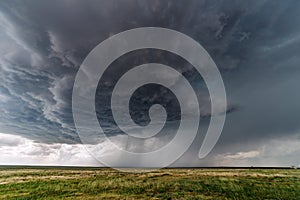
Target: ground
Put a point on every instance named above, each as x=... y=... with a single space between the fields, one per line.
x=95 y=183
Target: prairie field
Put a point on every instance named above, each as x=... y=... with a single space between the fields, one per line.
x=102 y=183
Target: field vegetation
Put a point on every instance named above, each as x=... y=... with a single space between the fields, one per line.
x=102 y=183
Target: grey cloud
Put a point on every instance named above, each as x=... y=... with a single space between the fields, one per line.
x=254 y=43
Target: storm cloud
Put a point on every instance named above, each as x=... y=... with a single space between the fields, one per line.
x=255 y=45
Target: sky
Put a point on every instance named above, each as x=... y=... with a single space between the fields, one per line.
x=255 y=45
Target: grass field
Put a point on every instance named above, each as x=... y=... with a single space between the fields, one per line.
x=93 y=183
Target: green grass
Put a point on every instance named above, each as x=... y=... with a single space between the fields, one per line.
x=92 y=183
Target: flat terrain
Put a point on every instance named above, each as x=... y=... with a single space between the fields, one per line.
x=93 y=183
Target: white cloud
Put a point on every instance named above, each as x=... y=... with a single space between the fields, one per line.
x=17 y=150
x=275 y=152
x=242 y=155
x=22 y=151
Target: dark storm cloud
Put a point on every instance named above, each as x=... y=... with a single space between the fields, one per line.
x=255 y=44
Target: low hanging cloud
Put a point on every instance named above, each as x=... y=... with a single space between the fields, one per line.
x=268 y=153
x=19 y=150
x=242 y=155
